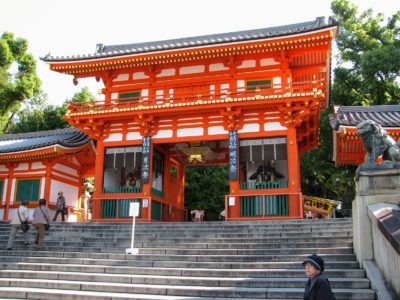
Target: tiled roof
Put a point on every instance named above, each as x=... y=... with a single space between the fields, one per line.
x=68 y=137
x=198 y=41
x=385 y=115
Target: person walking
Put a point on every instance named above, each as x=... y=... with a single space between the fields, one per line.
x=317 y=286
x=20 y=215
x=41 y=217
x=60 y=207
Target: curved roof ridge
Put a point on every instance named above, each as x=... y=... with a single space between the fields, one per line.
x=27 y=135
x=68 y=137
x=384 y=115
x=103 y=51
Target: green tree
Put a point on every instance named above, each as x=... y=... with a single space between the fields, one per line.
x=368 y=71
x=205 y=188
x=18 y=78
x=39 y=115
x=84 y=95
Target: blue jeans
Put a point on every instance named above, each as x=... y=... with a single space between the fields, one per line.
x=13 y=233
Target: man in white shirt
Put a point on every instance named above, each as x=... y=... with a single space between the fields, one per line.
x=16 y=224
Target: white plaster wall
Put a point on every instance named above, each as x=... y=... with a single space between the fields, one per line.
x=70 y=192
x=3 y=198
x=42 y=184
x=192 y=69
x=3 y=168
x=240 y=84
x=133 y=136
x=139 y=75
x=114 y=96
x=268 y=62
x=21 y=167
x=122 y=77
x=163 y=134
x=190 y=132
x=166 y=72
x=37 y=165
x=12 y=190
x=217 y=67
x=247 y=64
x=272 y=126
x=216 y=130
x=114 y=137
x=277 y=80
x=250 y=128
x=66 y=169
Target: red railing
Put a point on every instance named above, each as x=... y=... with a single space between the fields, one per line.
x=193 y=93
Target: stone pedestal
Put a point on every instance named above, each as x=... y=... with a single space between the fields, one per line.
x=372 y=187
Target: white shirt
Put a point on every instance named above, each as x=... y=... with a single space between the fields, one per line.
x=23 y=213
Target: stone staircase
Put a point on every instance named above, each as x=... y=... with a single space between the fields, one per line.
x=212 y=260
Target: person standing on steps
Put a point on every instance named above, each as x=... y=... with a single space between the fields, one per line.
x=20 y=215
x=41 y=217
x=60 y=207
x=317 y=286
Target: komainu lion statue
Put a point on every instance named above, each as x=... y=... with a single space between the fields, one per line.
x=377 y=142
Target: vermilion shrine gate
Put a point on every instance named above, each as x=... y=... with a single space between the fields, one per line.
x=249 y=99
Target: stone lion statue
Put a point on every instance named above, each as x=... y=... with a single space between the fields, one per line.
x=377 y=142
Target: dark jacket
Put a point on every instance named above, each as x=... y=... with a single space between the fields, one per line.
x=60 y=205
x=318 y=288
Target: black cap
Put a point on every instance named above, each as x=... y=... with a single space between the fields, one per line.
x=316 y=261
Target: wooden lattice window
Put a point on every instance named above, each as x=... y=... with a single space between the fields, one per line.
x=253 y=85
x=129 y=96
x=27 y=190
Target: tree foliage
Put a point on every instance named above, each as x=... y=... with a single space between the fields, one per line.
x=205 y=188
x=39 y=115
x=18 y=79
x=368 y=71
x=367 y=74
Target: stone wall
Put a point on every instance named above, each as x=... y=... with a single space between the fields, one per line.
x=376 y=190
x=386 y=248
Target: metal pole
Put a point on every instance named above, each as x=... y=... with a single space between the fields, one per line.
x=133 y=232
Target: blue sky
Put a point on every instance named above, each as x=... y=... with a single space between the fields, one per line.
x=67 y=27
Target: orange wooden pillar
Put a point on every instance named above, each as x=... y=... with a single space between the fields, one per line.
x=10 y=178
x=295 y=207
x=98 y=181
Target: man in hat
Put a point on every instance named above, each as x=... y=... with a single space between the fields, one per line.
x=317 y=286
x=60 y=207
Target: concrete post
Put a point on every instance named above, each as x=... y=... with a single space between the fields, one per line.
x=372 y=187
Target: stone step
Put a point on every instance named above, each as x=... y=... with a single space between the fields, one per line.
x=48 y=294
x=193 y=291
x=213 y=224
x=211 y=260
x=264 y=234
x=110 y=247
x=231 y=273
x=256 y=239
x=191 y=258
x=19 y=247
x=355 y=283
x=137 y=262
x=4 y=255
